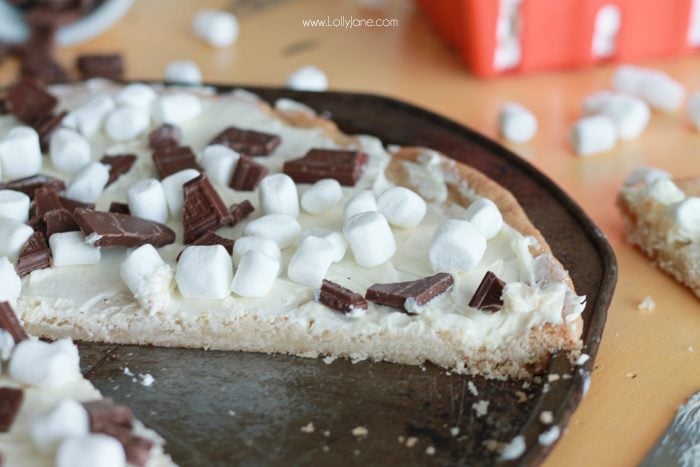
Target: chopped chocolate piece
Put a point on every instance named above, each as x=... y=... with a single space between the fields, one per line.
x=121 y=208
x=136 y=448
x=36 y=254
x=104 y=66
x=164 y=136
x=29 y=102
x=119 y=164
x=170 y=160
x=203 y=209
x=10 y=323
x=238 y=212
x=47 y=127
x=248 y=142
x=419 y=292
x=114 y=229
x=10 y=403
x=317 y=164
x=72 y=204
x=488 y=295
x=29 y=185
x=45 y=200
x=39 y=65
x=212 y=238
x=247 y=174
x=104 y=413
x=339 y=298
x=59 y=221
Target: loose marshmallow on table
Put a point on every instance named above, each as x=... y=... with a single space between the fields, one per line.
x=255 y=275
x=646 y=175
x=686 y=214
x=219 y=162
x=311 y=261
x=654 y=87
x=136 y=95
x=174 y=194
x=370 y=238
x=183 y=72
x=321 y=196
x=15 y=205
x=177 y=109
x=280 y=228
x=517 y=124
x=629 y=114
x=456 y=246
x=91 y=450
x=148 y=277
x=89 y=117
x=20 y=153
x=43 y=364
x=146 y=199
x=69 y=150
x=260 y=244
x=204 y=272
x=362 y=201
x=127 y=122
x=592 y=135
x=71 y=249
x=219 y=28
x=336 y=239
x=485 y=216
x=308 y=78
x=664 y=191
x=402 y=207
x=67 y=418
x=278 y=195
x=89 y=184
x=694 y=109
x=10 y=283
x=14 y=235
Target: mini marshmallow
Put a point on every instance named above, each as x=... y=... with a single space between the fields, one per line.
x=278 y=195
x=485 y=216
x=321 y=196
x=7 y=345
x=311 y=261
x=136 y=95
x=89 y=184
x=10 y=283
x=629 y=114
x=517 y=124
x=308 y=78
x=607 y=26
x=370 y=238
x=183 y=72
x=686 y=215
x=146 y=199
x=363 y=201
x=67 y=418
x=47 y=365
x=456 y=246
x=654 y=87
x=127 y=122
x=507 y=54
x=280 y=228
x=219 y=162
x=592 y=135
x=177 y=109
x=219 y=28
x=71 y=249
x=336 y=239
x=645 y=174
x=90 y=116
x=15 y=205
x=91 y=450
x=69 y=150
x=255 y=275
x=148 y=277
x=402 y=207
x=20 y=153
x=173 y=189
x=694 y=108
x=14 y=235
x=204 y=272
x=260 y=244
x=664 y=191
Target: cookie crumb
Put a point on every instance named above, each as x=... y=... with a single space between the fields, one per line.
x=360 y=431
x=412 y=441
x=553 y=377
x=691 y=349
x=522 y=397
x=546 y=417
x=472 y=388
x=309 y=428
x=647 y=304
x=454 y=431
x=631 y=375
x=430 y=450
x=481 y=408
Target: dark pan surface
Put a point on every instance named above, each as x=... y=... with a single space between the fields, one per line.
x=232 y=408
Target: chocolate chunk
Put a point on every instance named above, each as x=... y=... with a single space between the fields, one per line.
x=114 y=229
x=59 y=221
x=39 y=65
x=36 y=254
x=419 y=292
x=10 y=403
x=170 y=160
x=121 y=208
x=46 y=200
x=10 y=323
x=119 y=164
x=488 y=295
x=104 y=66
x=165 y=136
x=29 y=102
x=72 y=204
x=248 y=142
x=203 y=209
x=247 y=174
x=29 y=185
x=238 y=212
x=104 y=413
x=47 y=127
x=136 y=448
x=211 y=238
x=339 y=298
x=344 y=166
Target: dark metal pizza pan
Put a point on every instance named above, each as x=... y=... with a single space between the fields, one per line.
x=233 y=408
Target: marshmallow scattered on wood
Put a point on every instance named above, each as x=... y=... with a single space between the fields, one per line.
x=89 y=117
x=183 y=72
x=694 y=110
x=67 y=418
x=278 y=195
x=43 y=364
x=362 y=201
x=177 y=109
x=172 y=187
x=645 y=174
x=402 y=207
x=654 y=87
x=15 y=205
x=71 y=249
x=127 y=122
x=219 y=162
x=259 y=244
x=370 y=238
x=69 y=150
x=137 y=95
x=282 y=229
x=336 y=239
x=517 y=124
x=20 y=153
x=255 y=275
x=592 y=135
x=91 y=450
x=148 y=277
x=664 y=191
x=146 y=199
x=204 y=272
x=308 y=78
x=485 y=216
x=311 y=261
x=218 y=28
x=89 y=184
x=14 y=235
x=321 y=196
x=629 y=114
x=686 y=214
x=10 y=283
x=456 y=246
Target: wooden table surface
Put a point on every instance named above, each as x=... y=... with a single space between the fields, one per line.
x=621 y=417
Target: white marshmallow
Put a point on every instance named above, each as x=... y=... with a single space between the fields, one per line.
x=219 y=162
x=485 y=216
x=278 y=195
x=183 y=72
x=146 y=199
x=311 y=261
x=148 y=277
x=255 y=275
x=91 y=450
x=308 y=78
x=137 y=95
x=219 y=28
x=204 y=272
x=336 y=239
x=69 y=150
x=629 y=114
x=289 y=105
x=20 y=153
x=517 y=124
x=402 y=207
x=14 y=235
x=592 y=135
x=645 y=174
x=177 y=109
x=362 y=201
x=686 y=215
x=67 y=418
x=89 y=184
x=43 y=364
x=90 y=116
x=10 y=283
x=259 y=244
x=15 y=205
x=321 y=196
x=71 y=249
x=282 y=229
x=370 y=238
x=456 y=246
x=127 y=122
x=664 y=191
x=7 y=345
x=654 y=87
x=607 y=26
x=507 y=54
x=694 y=107
x=173 y=189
